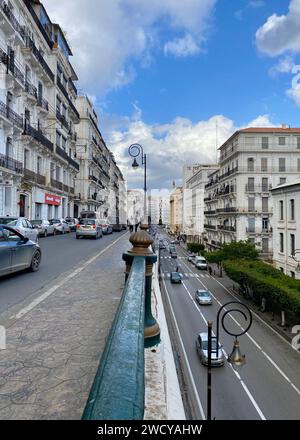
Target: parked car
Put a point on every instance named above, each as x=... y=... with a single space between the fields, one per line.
x=203 y=297
x=22 y=225
x=43 y=227
x=106 y=226
x=201 y=263
x=17 y=252
x=191 y=257
x=173 y=255
x=60 y=225
x=72 y=222
x=172 y=249
x=217 y=356
x=175 y=277
x=89 y=227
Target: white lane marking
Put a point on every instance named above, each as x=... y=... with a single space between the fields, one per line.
x=202 y=275
x=46 y=294
x=253 y=340
x=185 y=355
x=253 y=401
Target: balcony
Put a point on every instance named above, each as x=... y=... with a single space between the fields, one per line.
x=10 y=23
x=38 y=23
x=66 y=95
x=43 y=104
x=73 y=163
x=37 y=135
x=56 y=184
x=93 y=178
x=230 y=209
x=213 y=227
x=62 y=119
x=31 y=47
x=31 y=91
x=74 y=110
x=11 y=164
x=11 y=116
x=259 y=231
x=62 y=87
x=73 y=87
x=34 y=177
x=62 y=153
x=258 y=188
x=227 y=228
x=209 y=212
x=221 y=177
x=73 y=136
x=13 y=69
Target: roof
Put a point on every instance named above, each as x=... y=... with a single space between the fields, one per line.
x=286 y=185
x=281 y=130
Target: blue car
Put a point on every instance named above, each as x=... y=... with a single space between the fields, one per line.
x=17 y=252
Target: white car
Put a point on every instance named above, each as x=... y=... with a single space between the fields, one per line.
x=201 y=263
x=60 y=225
x=21 y=225
x=106 y=226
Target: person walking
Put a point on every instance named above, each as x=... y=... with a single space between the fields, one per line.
x=209 y=270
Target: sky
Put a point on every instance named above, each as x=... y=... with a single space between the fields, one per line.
x=179 y=77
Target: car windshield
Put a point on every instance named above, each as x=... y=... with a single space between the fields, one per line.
x=201 y=260
x=54 y=220
x=8 y=221
x=213 y=344
x=204 y=294
x=87 y=221
x=36 y=222
x=175 y=275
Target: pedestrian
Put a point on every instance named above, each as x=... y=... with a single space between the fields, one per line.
x=209 y=270
x=136 y=227
x=131 y=228
x=177 y=269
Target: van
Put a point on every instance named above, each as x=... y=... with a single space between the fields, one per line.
x=200 y=263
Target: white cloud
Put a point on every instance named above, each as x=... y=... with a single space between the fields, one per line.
x=284 y=65
x=170 y=146
x=256 y=3
x=280 y=34
x=294 y=91
x=182 y=47
x=107 y=37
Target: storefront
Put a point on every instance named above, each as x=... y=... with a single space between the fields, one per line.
x=45 y=205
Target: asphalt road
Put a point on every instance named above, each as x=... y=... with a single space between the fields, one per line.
x=267 y=386
x=60 y=254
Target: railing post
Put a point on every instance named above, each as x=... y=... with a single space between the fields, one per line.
x=141 y=241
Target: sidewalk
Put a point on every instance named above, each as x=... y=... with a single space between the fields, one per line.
x=53 y=350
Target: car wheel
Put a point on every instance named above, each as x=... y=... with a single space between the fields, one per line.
x=35 y=261
x=77 y=236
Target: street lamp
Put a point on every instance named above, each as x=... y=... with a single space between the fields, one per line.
x=134 y=151
x=236 y=359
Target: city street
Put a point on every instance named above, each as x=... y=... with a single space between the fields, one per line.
x=60 y=254
x=267 y=386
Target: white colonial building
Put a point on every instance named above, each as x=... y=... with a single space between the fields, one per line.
x=195 y=177
x=286 y=228
x=176 y=200
x=238 y=200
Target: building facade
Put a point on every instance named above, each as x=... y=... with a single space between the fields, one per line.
x=37 y=114
x=159 y=207
x=238 y=201
x=176 y=197
x=195 y=178
x=286 y=228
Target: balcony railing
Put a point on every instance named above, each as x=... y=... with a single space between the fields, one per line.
x=43 y=103
x=11 y=164
x=9 y=114
x=62 y=153
x=221 y=177
x=73 y=87
x=259 y=230
x=228 y=209
x=227 y=228
x=30 y=45
x=73 y=108
x=93 y=178
x=258 y=188
x=73 y=163
x=209 y=212
x=62 y=119
x=15 y=70
x=12 y=19
x=37 y=135
x=56 y=184
x=62 y=87
x=34 y=177
x=210 y=227
x=31 y=89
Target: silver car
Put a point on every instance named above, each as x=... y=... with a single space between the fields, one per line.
x=106 y=226
x=43 y=227
x=201 y=263
x=21 y=225
x=89 y=227
x=217 y=356
x=203 y=297
x=60 y=225
x=17 y=252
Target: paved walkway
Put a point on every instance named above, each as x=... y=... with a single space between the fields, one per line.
x=53 y=350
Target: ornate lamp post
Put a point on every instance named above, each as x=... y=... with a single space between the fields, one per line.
x=236 y=359
x=134 y=151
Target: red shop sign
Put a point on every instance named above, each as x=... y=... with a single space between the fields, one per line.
x=50 y=199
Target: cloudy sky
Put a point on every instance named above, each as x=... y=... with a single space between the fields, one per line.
x=179 y=76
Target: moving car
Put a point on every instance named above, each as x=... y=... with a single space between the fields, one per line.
x=201 y=263
x=217 y=356
x=89 y=227
x=191 y=257
x=22 y=225
x=17 y=252
x=203 y=297
x=173 y=255
x=43 y=227
x=60 y=225
x=106 y=226
x=72 y=222
x=172 y=248
x=175 y=277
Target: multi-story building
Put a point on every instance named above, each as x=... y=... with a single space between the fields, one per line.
x=159 y=208
x=37 y=114
x=286 y=228
x=195 y=178
x=93 y=180
x=238 y=200
x=176 y=210
x=117 y=196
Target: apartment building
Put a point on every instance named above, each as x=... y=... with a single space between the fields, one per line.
x=195 y=178
x=286 y=228
x=159 y=207
x=238 y=200
x=135 y=206
x=37 y=114
x=117 y=196
x=176 y=200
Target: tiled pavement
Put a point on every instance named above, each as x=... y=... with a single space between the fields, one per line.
x=53 y=351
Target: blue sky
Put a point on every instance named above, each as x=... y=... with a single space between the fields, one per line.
x=167 y=73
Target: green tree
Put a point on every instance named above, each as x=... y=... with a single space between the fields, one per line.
x=195 y=247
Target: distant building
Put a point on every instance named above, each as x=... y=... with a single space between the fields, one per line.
x=176 y=198
x=159 y=208
x=135 y=206
x=286 y=228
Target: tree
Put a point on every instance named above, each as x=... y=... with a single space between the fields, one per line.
x=195 y=247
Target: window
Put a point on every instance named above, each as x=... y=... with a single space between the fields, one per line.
x=26 y=159
x=292 y=244
x=264 y=184
x=63 y=142
x=265 y=224
x=281 y=269
x=292 y=209
x=298 y=142
x=281 y=210
x=282 y=180
x=265 y=245
x=39 y=165
x=281 y=163
x=251 y=204
x=298 y=165
x=250 y=184
x=58 y=174
x=52 y=171
x=292 y=274
x=250 y=164
x=281 y=242
x=8 y=198
x=265 y=142
x=281 y=140
x=251 y=224
x=264 y=164
x=264 y=204
x=64 y=111
x=58 y=104
x=58 y=138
